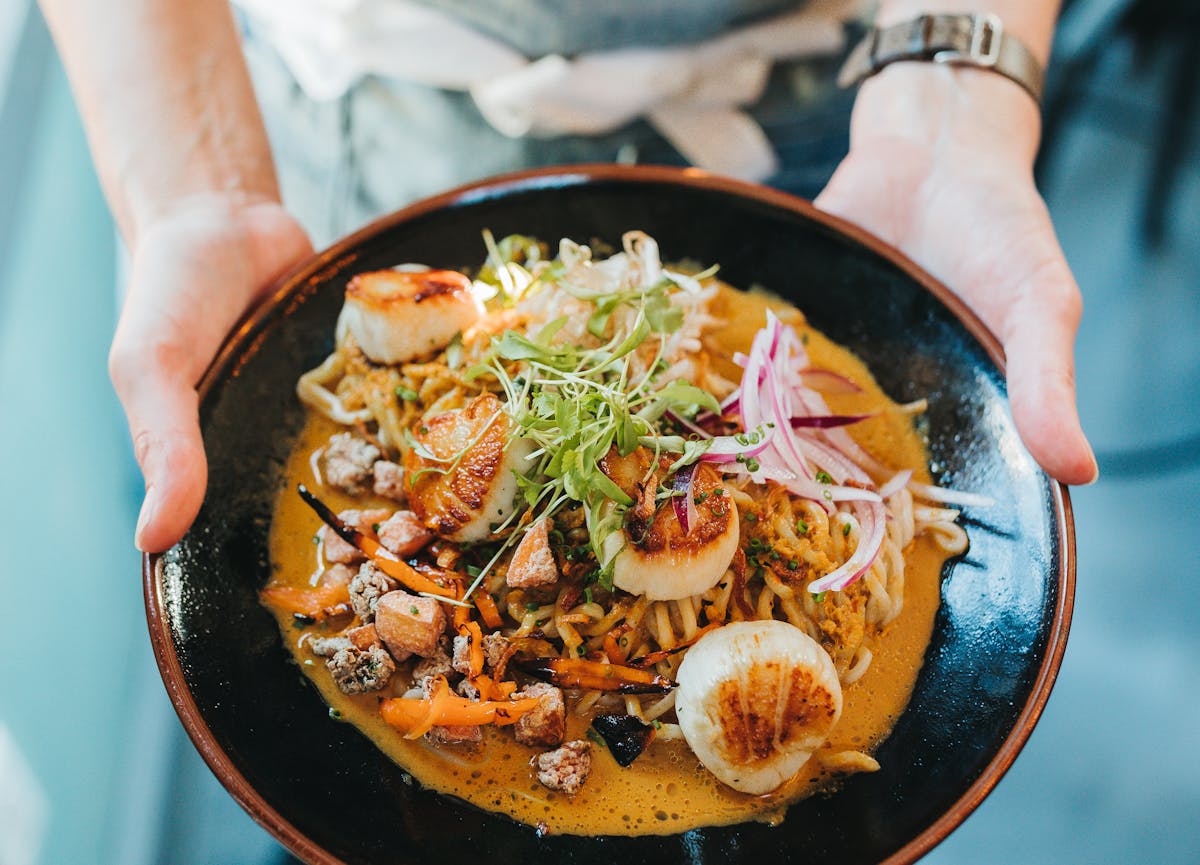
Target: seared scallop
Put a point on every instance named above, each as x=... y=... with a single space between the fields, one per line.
x=654 y=555
x=398 y=316
x=465 y=469
x=755 y=699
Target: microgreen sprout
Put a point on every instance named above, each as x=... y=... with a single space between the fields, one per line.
x=577 y=403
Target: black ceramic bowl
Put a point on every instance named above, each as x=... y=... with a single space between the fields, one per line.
x=330 y=796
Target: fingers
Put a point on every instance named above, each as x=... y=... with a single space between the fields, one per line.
x=1029 y=299
x=193 y=276
x=158 y=353
x=162 y=408
x=1039 y=337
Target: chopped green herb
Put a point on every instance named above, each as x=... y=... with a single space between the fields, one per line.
x=577 y=404
x=316 y=539
x=530 y=606
x=801 y=527
x=699 y=498
x=657 y=724
x=595 y=737
x=604 y=576
x=581 y=649
x=793 y=565
x=407 y=394
x=750 y=518
x=587 y=595
x=335 y=714
x=423 y=429
x=454 y=351
x=413 y=610
x=375 y=527
x=473 y=571
x=823 y=477
x=846 y=530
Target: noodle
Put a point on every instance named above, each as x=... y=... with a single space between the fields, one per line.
x=786 y=541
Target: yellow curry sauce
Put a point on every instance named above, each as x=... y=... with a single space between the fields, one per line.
x=666 y=790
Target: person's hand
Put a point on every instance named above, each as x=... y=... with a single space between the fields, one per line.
x=196 y=269
x=940 y=165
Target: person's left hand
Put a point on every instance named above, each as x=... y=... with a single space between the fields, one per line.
x=196 y=268
x=940 y=166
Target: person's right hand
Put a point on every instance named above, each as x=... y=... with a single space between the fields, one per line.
x=196 y=269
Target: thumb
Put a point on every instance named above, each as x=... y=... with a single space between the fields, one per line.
x=1039 y=336
x=164 y=423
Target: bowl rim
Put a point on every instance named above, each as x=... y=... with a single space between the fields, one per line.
x=335 y=258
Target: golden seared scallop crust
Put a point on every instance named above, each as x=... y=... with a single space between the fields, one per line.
x=469 y=487
x=755 y=700
x=387 y=287
x=655 y=528
x=656 y=557
x=715 y=514
x=397 y=316
x=774 y=705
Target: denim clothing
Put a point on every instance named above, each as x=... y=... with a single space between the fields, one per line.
x=386 y=143
x=538 y=27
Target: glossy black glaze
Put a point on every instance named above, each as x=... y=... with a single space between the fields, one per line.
x=264 y=729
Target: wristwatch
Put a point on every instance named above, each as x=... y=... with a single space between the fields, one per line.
x=959 y=39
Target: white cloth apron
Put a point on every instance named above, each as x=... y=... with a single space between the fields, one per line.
x=694 y=95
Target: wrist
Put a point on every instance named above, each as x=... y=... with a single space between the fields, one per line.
x=229 y=208
x=944 y=111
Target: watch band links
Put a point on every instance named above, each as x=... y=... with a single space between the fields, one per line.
x=974 y=40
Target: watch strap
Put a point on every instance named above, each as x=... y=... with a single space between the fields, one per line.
x=958 y=39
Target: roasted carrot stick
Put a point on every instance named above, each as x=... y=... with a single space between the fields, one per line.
x=613 y=646
x=596 y=676
x=490 y=689
x=415 y=717
x=475 y=646
x=651 y=658
x=487 y=609
x=461 y=615
x=437 y=704
x=305 y=602
x=372 y=549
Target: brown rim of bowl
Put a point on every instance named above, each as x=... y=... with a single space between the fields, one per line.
x=291 y=287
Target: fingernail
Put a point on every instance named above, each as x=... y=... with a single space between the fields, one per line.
x=149 y=510
x=1095 y=468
